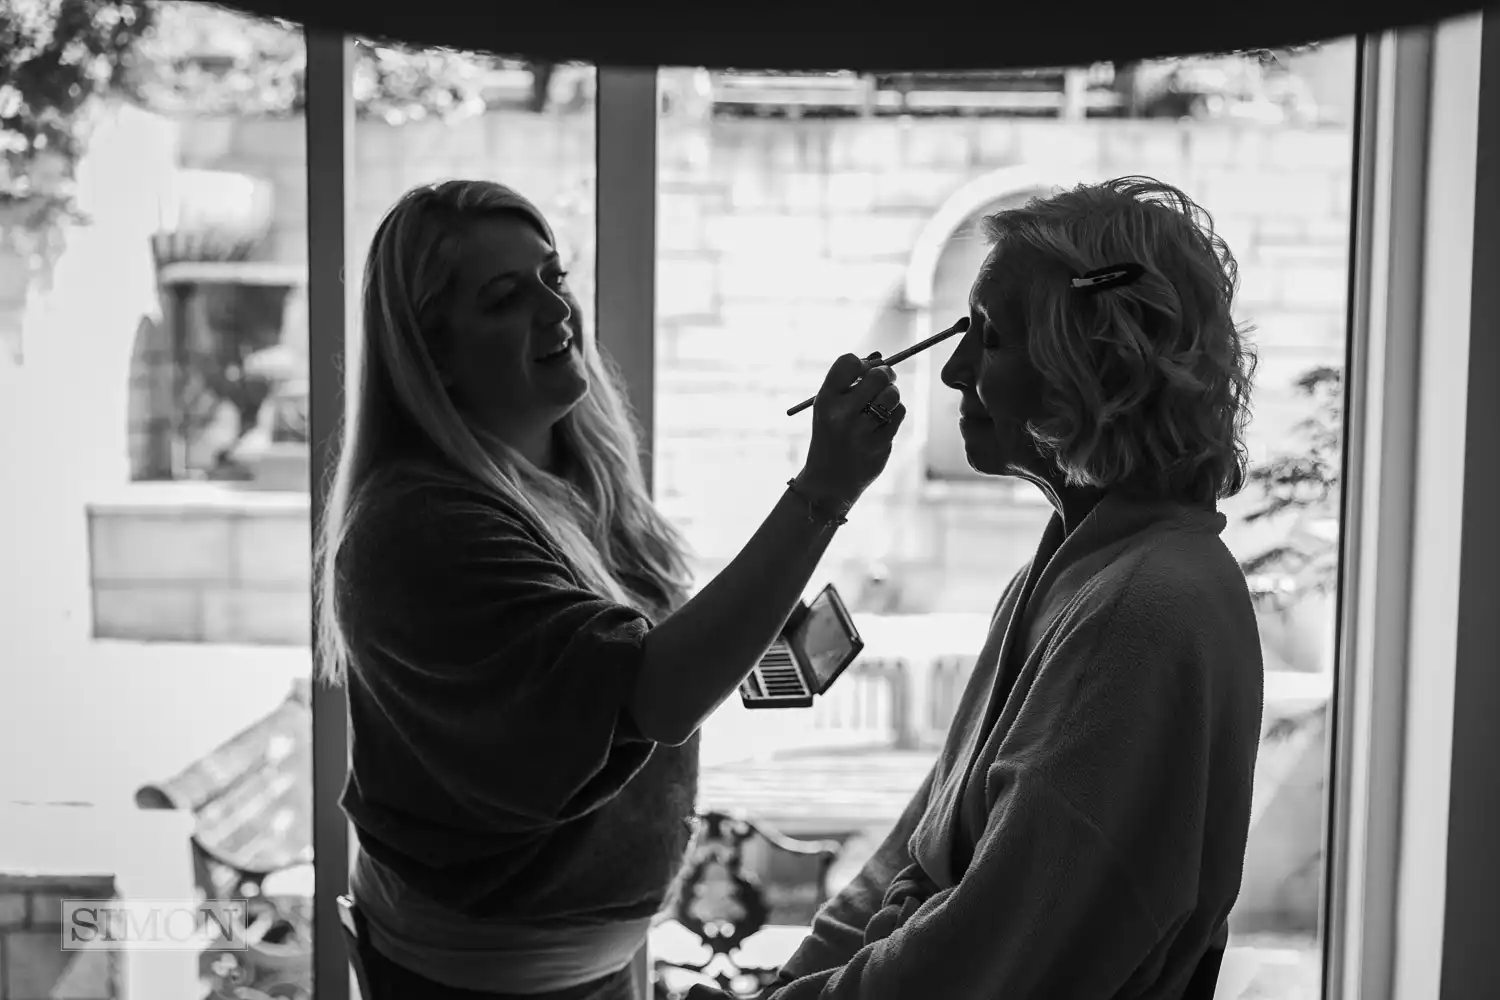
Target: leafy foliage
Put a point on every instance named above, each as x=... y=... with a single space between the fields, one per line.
x=1307 y=479
x=202 y=59
x=59 y=55
x=194 y=58
x=1304 y=482
x=207 y=60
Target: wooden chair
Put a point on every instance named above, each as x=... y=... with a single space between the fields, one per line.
x=730 y=891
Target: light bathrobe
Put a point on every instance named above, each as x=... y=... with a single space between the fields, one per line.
x=1082 y=834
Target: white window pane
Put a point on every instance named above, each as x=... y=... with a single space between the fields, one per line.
x=804 y=216
x=156 y=600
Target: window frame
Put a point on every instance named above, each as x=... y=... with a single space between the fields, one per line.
x=332 y=311
x=1364 y=789
x=1408 y=349
x=1405 y=536
x=625 y=219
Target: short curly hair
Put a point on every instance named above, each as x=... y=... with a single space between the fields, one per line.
x=1147 y=385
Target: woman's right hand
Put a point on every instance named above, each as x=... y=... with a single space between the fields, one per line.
x=850 y=444
x=696 y=656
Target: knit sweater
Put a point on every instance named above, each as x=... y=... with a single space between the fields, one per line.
x=494 y=768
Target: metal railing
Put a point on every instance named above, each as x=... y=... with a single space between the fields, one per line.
x=903 y=703
x=1065 y=94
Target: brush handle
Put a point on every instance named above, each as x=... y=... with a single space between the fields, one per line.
x=961 y=326
x=810 y=400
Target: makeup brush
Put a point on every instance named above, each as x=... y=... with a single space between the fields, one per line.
x=900 y=356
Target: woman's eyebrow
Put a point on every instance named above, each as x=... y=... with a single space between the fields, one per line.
x=551 y=258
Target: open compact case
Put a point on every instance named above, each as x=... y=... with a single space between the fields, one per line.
x=817 y=643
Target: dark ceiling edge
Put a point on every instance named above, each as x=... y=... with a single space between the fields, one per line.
x=820 y=38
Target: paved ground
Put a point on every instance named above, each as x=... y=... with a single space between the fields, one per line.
x=89 y=723
x=1272 y=967
x=1265 y=967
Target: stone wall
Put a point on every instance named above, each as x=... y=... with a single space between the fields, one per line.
x=784 y=243
x=33 y=964
x=57 y=852
x=201 y=562
x=64 y=404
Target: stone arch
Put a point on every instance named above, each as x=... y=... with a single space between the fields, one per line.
x=937 y=251
x=961 y=206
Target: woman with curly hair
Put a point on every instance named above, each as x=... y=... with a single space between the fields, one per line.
x=1082 y=834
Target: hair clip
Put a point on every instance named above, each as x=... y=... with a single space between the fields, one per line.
x=1109 y=277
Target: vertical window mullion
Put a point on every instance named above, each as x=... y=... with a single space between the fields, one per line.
x=1448 y=662
x=625 y=217
x=625 y=261
x=1469 y=932
x=330 y=188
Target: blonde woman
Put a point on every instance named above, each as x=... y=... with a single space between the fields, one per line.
x=507 y=610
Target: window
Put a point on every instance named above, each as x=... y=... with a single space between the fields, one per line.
x=158 y=724
x=1366 y=823
x=155 y=597
x=796 y=223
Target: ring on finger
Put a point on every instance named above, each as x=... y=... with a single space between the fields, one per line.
x=877 y=411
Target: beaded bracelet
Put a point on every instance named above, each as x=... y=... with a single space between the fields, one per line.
x=815 y=513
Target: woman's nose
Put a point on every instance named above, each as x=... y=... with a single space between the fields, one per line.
x=958 y=373
x=556 y=308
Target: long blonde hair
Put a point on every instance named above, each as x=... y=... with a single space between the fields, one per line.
x=599 y=515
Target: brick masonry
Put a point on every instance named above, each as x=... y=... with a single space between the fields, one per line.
x=784 y=243
x=194 y=563
x=33 y=965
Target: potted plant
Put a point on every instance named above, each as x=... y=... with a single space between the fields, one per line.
x=60 y=58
